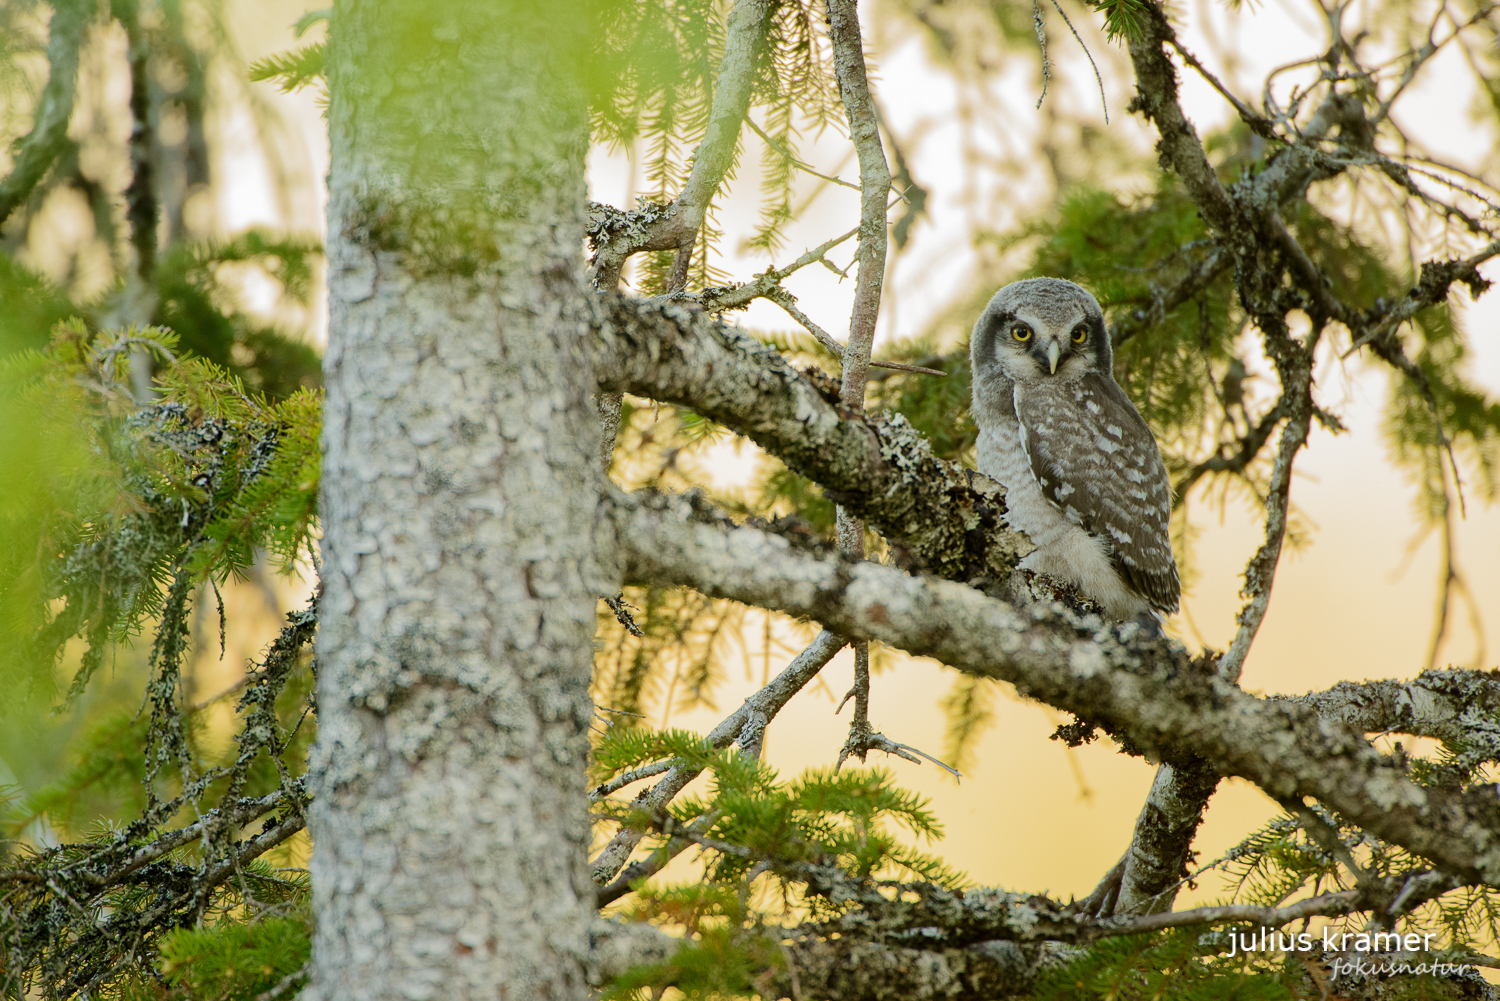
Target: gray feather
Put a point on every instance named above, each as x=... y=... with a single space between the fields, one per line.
x=1083 y=474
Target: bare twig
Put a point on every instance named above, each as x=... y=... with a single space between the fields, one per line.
x=1427 y=293
x=875 y=181
x=1249 y=448
x=1260 y=124
x=1156 y=98
x=788 y=302
x=1098 y=78
x=804 y=167
x=1418 y=57
x=1041 y=41
x=765 y=284
x=627 y=778
x=1449 y=574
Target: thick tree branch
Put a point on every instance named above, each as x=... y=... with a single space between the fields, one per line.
x=947 y=518
x=850 y=969
x=1457 y=707
x=1147 y=691
x=930 y=942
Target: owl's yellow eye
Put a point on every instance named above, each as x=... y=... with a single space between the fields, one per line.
x=1021 y=332
x=1080 y=334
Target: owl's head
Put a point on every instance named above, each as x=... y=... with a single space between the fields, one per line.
x=1041 y=328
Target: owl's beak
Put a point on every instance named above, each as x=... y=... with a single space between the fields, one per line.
x=1054 y=352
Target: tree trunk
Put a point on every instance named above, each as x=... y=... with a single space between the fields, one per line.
x=459 y=500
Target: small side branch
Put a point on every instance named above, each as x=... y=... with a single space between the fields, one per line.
x=1261 y=570
x=874 y=183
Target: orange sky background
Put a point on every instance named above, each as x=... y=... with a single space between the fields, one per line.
x=1357 y=603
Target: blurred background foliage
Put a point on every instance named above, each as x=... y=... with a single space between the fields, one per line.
x=159 y=395
x=160 y=404
x=115 y=216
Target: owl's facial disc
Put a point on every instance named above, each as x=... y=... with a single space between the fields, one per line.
x=1051 y=347
x=1038 y=329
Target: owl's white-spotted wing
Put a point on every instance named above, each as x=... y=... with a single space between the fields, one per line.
x=1095 y=459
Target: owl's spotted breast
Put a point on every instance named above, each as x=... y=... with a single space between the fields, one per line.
x=1083 y=476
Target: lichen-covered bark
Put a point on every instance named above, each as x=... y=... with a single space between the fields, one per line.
x=1146 y=690
x=1163 y=838
x=847 y=968
x=459 y=495
x=935 y=944
x=947 y=519
x=1459 y=707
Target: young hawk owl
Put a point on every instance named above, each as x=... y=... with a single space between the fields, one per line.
x=1082 y=474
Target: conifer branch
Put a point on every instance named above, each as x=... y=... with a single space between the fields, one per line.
x=616 y=235
x=745 y=726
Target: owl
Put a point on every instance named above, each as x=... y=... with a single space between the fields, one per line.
x=1083 y=477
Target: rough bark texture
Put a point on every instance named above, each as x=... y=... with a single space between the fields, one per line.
x=1143 y=689
x=874 y=186
x=1164 y=834
x=947 y=519
x=1453 y=706
x=459 y=498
